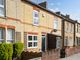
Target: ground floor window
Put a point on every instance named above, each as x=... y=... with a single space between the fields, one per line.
x=32 y=41
x=66 y=41
x=1 y=34
x=78 y=41
x=10 y=35
x=58 y=42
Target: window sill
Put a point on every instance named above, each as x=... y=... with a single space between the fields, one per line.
x=11 y=41
x=3 y=17
x=32 y=47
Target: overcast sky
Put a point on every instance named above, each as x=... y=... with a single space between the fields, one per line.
x=71 y=7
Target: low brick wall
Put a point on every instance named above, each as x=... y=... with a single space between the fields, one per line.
x=73 y=50
x=51 y=55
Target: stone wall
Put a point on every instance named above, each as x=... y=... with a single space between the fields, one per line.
x=51 y=55
x=73 y=50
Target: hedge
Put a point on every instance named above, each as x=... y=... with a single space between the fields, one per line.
x=17 y=49
x=6 y=51
x=29 y=55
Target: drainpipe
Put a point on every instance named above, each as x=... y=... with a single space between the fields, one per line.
x=74 y=34
x=63 y=32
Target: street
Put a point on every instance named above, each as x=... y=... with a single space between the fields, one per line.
x=73 y=57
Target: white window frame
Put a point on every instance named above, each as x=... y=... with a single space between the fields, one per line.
x=32 y=41
x=2 y=39
x=35 y=19
x=2 y=6
x=55 y=23
x=9 y=40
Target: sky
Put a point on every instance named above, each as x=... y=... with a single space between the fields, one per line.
x=71 y=7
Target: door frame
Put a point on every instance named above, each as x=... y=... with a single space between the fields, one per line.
x=44 y=35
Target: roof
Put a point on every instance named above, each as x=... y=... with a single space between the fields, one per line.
x=58 y=15
x=32 y=3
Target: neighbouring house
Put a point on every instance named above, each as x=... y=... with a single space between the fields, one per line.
x=77 y=33
x=68 y=34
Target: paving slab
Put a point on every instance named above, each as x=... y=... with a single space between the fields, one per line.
x=73 y=57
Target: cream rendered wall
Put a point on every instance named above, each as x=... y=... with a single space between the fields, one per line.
x=24 y=13
x=68 y=33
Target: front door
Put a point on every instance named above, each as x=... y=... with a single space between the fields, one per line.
x=43 y=43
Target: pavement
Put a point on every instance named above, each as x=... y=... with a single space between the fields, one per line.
x=73 y=57
x=36 y=58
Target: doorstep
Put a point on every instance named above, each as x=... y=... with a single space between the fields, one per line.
x=39 y=58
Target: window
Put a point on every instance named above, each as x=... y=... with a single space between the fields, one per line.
x=35 y=18
x=67 y=27
x=32 y=41
x=72 y=28
x=1 y=35
x=66 y=41
x=10 y=35
x=79 y=41
x=76 y=41
x=58 y=43
x=56 y=24
x=1 y=7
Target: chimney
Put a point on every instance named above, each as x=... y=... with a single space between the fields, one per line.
x=43 y=4
x=67 y=16
x=58 y=13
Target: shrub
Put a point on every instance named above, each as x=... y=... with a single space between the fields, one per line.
x=6 y=51
x=17 y=49
x=29 y=55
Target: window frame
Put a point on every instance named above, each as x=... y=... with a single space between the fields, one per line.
x=13 y=33
x=55 y=23
x=33 y=41
x=2 y=39
x=35 y=19
x=2 y=7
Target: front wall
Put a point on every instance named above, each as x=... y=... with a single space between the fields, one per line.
x=20 y=15
x=68 y=33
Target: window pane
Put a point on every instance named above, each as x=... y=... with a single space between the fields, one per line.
x=36 y=21
x=1 y=11
x=35 y=44
x=9 y=34
x=1 y=34
x=29 y=44
x=35 y=37
x=30 y=38
x=56 y=24
x=35 y=14
x=35 y=17
x=1 y=2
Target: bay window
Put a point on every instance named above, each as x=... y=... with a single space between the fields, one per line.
x=2 y=8
x=32 y=41
x=35 y=18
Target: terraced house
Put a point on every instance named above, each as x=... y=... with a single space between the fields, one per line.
x=35 y=26
x=68 y=32
x=77 y=34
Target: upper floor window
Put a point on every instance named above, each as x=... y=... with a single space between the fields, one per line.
x=72 y=28
x=35 y=18
x=56 y=24
x=2 y=8
x=78 y=28
x=67 y=26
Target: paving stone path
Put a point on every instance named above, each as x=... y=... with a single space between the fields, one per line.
x=73 y=57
